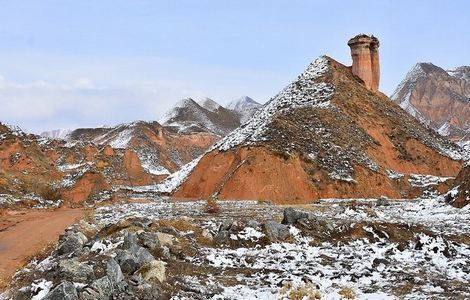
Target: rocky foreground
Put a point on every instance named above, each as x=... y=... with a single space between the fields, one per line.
x=333 y=249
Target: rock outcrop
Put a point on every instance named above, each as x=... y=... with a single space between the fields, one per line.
x=437 y=98
x=365 y=56
x=459 y=196
x=324 y=136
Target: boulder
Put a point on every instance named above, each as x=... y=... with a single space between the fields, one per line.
x=291 y=216
x=382 y=201
x=64 y=291
x=130 y=240
x=276 y=232
x=114 y=272
x=101 y=289
x=127 y=262
x=165 y=239
x=73 y=270
x=73 y=242
x=149 y=240
x=87 y=229
x=154 y=270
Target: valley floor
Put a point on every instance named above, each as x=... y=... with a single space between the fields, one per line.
x=332 y=249
x=26 y=232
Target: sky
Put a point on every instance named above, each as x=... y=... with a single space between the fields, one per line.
x=70 y=64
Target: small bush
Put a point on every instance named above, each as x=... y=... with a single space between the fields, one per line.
x=348 y=293
x=48 y=192
x=212 y=207
x=305 y=292
x=101 y=164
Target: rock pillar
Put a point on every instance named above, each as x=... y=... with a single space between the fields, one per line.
x=365 y=56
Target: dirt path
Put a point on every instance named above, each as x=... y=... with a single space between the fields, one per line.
x=24 y=233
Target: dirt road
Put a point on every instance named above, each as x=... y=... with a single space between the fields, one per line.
x=24 y=233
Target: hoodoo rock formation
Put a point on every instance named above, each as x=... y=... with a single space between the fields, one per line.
x=365 y=56
x=326 y=135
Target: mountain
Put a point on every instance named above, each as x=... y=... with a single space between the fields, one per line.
x=43 y=171
x=459 y=196
x=188 y=116
x=160 y=150
x=438 y=98
x=242 y=104
x=56 y=134
x=245 y=106
x=326 y=135
x=209 y=104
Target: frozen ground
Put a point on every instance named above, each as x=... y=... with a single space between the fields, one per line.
x=372 y=265
x=333 y=249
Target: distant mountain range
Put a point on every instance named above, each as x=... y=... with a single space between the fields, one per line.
x=187 y=116
x=438 y=98
x=206 y=115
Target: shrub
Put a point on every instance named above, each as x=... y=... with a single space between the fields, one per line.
x=212 y=207
x=48 y=192
x=348 y=293
x=101 y=164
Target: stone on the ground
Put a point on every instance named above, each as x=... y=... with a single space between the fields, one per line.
x=100 y=289
x=276 y=232
x=127 y=261
x=114 y=272
x=130 y=240
x=72 y=269
x=149 y=240
x=153 y=270
x=165 y=239
x=291 y=216
x=64 y=291
x=87 y=229
x=382 y=201
x=73 y=242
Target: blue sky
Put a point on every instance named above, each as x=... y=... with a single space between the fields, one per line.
x=66 y=64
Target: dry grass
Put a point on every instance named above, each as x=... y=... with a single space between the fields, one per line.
x=48 y=192
x=89 y=215
x=306 y=292
x=101 y=164
x=347 y=293
x=212 y=207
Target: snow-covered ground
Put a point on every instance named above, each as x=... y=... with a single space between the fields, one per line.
x=374 y=266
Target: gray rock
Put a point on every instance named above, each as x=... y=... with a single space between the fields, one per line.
x=64 y=291
x=380 y=261
x=226 y=225
x=222 y=237
x=127 y=261
x=73 y=242
x=253 y=224
x=382 y=201
x=130 y=240
x=291 y=216
x=73 y=270
x=141 y=254
x=276 y=232
x=101 y=289
x=114 y=272
x=154 y=270
x=149 y=240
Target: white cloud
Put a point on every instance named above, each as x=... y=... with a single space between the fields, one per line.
x=68 y=92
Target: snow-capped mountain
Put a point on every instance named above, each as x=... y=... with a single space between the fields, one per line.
x=245 y=106
x=242 y=104
x=209 y=104
x=438 y=98
x=60 y=134
x=189 y=116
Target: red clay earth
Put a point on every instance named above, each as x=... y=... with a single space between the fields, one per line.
x=25 y=233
